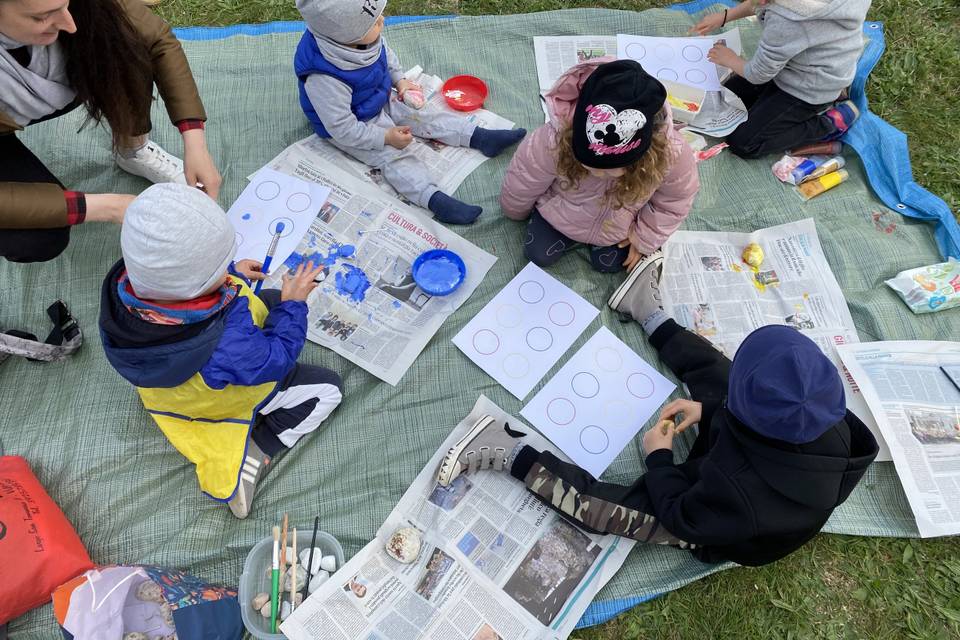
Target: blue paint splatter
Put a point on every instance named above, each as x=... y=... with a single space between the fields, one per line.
x=352 y=282
x=245 y=216
x=396 y=304
x=336 y=252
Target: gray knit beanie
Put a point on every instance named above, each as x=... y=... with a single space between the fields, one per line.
x=343 y=21
x=176 y=242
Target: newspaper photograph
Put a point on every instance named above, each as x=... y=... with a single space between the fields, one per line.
x=449 y=166
x=495 y=564
x=709 y=289
x=368 y=308
x=720 y=113
x=913 y=389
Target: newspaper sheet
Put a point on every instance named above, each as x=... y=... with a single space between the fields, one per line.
x=911 y=387
x=496 y=564
x=368 y=308
x=708 y=289
x=720 y=113
x=448 y=165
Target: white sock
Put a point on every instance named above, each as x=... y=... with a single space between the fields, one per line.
x=652 y=322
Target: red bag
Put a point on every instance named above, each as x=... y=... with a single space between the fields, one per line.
x=39 y=550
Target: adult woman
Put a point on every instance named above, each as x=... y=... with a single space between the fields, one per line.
x=106 y=55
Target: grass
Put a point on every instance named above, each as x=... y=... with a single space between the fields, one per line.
x=836 y=586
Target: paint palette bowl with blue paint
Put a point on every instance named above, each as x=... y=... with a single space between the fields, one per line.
x=439 y=272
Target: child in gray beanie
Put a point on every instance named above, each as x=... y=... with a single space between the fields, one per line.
x=806 y=57
x=347 y=73
x=215 y=365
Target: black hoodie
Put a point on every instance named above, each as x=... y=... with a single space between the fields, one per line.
x=753 y=500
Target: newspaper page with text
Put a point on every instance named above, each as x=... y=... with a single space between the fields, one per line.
x=913 y=389
x=368 y=308
x=496 y=564
x=708 y=288
x=448 y=165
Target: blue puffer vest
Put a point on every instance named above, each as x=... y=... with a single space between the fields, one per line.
x=371 y=85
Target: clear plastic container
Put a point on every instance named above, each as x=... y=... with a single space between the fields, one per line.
x=256 y=576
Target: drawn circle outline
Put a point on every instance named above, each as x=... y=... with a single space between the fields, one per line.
x=696 y=76
x=593 y=429
x=530 y=291
x=267 y=190
x=667 y=73
x=482 y=335
x=287 y=226
x=561 y=405
x=588 y=385
x=300 y=198
x=640 y=384
x=538 y=339
x=692 y=53
x=510 y=364
x=563 y=309
x=635 y=51
x=608 y=359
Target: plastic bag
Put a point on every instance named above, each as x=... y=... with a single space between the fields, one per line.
x=928 y=289
x=146 y=603
x=39 y=550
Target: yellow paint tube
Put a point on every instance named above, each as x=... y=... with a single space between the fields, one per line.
x=814 y=188
x=831 y=165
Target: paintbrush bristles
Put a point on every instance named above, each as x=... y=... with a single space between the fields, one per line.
x=276 y=534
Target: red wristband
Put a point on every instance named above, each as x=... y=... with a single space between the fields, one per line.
x=190 y=125
x=76 y=207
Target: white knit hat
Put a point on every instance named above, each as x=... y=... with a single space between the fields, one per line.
x=343 y=21
x=176 y=242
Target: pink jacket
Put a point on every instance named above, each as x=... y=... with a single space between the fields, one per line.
x=531 y=181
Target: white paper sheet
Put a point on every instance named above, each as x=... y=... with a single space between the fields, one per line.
x=598 y=401
x=524 y=329
x=270 y=198
x=681 y=60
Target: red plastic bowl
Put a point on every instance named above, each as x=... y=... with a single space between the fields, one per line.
x=464 y=93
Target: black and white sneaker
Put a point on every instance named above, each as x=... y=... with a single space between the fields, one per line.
x=639 y=295
x=487 y=445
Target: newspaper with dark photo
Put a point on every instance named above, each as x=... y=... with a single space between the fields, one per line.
x=495 y=564
x=368 y=307
x=913 y=389
x=708 y=288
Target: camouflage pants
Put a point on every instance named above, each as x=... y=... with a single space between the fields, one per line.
x=599 y=507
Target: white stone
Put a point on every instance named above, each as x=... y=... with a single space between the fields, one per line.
x=285 y=609
x=289 y=557
x=317 y=558
x=404 y=545
x=328 y=563
x=265 y=610
x=259 y=600
x=288 y=578
x=317 y=581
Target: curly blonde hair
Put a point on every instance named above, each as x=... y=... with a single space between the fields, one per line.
x=641 y=178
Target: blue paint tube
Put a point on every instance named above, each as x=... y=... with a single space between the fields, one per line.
x=806 y=167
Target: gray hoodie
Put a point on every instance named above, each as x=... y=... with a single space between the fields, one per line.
x=809 y=48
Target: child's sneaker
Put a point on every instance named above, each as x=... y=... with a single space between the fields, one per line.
x=842 y=115
x=639 y=295
x=487 y=445
x=254 y=466
x=153 y=163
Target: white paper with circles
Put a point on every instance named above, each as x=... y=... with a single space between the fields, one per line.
x=682 y=60
x=522 y=332
x=598 y=401
x=273 y=197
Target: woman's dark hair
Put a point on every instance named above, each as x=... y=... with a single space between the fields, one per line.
x=109 y=67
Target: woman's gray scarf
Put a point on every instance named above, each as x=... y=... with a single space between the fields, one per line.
x=42 y=88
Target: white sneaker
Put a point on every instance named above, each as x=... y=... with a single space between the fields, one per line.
x=154 y=164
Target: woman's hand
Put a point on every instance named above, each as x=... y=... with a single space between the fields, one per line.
x=107 y=207
x=710 y=23
x=633 y=256
x=725 y=57
x=198 y=165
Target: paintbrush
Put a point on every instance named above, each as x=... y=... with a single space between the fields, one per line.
x=275 y=581
x=313 y=546
x=293 y=573
x=283 y=548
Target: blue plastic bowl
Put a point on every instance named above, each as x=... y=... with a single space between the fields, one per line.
x=439 y=272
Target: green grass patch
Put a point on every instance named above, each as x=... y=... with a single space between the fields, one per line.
x=836 y=586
